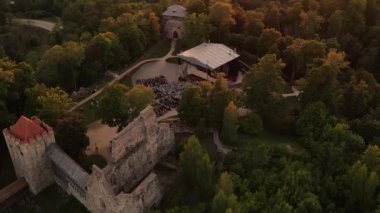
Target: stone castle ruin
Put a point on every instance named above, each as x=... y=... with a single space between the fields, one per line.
x=127 y=184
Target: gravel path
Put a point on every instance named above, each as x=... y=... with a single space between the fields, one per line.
x=46 y=25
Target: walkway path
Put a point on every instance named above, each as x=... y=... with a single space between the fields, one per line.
x=46 y=25
x=220 y=147
x=295 y=93
x=125 y=73
x=13 y=192
x=100 y=136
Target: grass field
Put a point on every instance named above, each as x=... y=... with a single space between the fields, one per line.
x=287 y=142
x=90 y=113
x=160 y=49
x=127 y=80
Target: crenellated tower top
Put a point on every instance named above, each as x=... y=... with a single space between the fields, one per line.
x=27 y=130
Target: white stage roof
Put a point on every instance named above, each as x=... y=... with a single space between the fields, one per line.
x=209 y=55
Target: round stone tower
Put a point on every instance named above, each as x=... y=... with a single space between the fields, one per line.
x=27 y=141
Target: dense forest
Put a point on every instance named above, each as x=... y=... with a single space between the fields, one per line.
x=328 y=49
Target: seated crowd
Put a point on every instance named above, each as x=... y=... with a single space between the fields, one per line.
x=167 y=94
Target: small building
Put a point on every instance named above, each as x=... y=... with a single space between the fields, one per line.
x=173 y=19
x=207 y=59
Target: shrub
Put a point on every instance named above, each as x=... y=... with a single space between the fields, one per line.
x=251 y=124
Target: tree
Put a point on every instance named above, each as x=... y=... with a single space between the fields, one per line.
x=14 y=79
x=53 y=105
x=337 y=148
x=372 y=12
x=136 y=99
x=312 y=120
x=195 y=168
x=310 y=24
x=251 y=124
x=74 y=57
x=357 y=99
x=321 y=85
x=154 y=24
x=6 y=75
x=273 y=17
x=197 y=29
x=192 y=105
x=254 y=24
x=217 y=100
x=60 y=65
x=118 y=105
x=291 y=57
x=263 y=82
x=355 y=17
x=111 y=106
x=32 y=94
x=105 y=48
x=70 y=134
x=221 y=14
x=310 y=53
x=196 y=6
x=225 y=200
x=371 y=158
x=230 y=123
x=267 y=42
x=2 y=15
x=131 y=36
x=297 y=182
x=24 y=78
x=309 y=204
x=363 y=186
x=337 y=60
x=335 y=24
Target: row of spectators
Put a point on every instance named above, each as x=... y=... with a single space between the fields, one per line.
x=168 y=94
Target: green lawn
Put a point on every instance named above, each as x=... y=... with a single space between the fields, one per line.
x=127 y=80
x=160 y=49
x=283 y=141
x=90 y=113
x=7 y=173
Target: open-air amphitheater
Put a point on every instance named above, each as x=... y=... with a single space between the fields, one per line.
x=126 y=184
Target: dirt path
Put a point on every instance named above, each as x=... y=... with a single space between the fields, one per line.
x=100 y=136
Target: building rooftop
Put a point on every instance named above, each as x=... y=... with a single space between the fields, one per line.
x=175 y=10
x=26 y=128
x=209 y=55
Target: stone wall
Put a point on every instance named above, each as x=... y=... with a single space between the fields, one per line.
x=100 y=197
x=126 y=185
x=144 y=127
x=143 y=143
